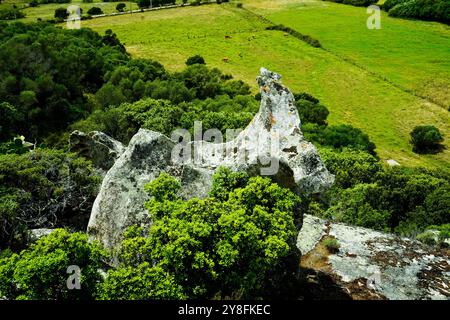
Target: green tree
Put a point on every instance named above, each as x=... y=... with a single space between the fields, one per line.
x=426 y=139
x=197 y=59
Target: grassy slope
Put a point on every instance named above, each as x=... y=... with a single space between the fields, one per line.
x=412 y=54
x=47 y=11
x=354 y=96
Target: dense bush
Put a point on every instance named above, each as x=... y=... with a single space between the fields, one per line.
x=360 y=3
x=11 y=14
x=44 y=188
x=121 y=7
x=339 y=137
x=389 y=4
x=242 y=244
x=95 y=11
x=310 y=110
x=53 y=1
x=45 y=74
x=154 y=3
x=357 y=3
x=195 y=59
x=426 y=139
x=61 y=13
x=350 y=167
x=434 y=10
x=403 y=200
x=40 y=272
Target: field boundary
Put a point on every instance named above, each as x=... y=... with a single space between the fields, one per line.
x=355 y=64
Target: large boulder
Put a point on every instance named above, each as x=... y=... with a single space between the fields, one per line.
x=371 y=264
x=272 y=145
x=98 y=147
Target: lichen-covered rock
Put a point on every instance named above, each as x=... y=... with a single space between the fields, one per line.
x=375 y=265
x=36 y=234
x=96 y=146
x=272 y=145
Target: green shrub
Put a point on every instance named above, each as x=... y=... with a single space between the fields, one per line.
x=311 y=111
x=121 y=7
x=426 y=139
x=434 y=10
x=61 y=13
x=331 y=244
x=357 y=3
x=350 y=167
x=40 y=272
x=195 y=59
x=340 y=137
x=42 y=189
x=94 y=11
x=203 y=248
x=389 y=4
x=11 y=14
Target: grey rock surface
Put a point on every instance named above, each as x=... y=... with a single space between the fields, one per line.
x=390 y=266
x=98 y=147
x=272 y=144
x=36 y=234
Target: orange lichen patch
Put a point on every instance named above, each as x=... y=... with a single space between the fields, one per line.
x=272 y=120
x=265 y=88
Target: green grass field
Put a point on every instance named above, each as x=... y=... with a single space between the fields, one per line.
x=47 y=11
x=412 y=54
x=353 y=95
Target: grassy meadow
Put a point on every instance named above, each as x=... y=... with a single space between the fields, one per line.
x=367 y=82
x=47 y=11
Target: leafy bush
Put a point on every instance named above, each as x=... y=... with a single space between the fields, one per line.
x=61 y=13
x=95 y=11
x=434 y=10
x=357 y=3
x=426 y=139
x=331 y=244
x=340 y=137
x=40 y=272
x=155 y=3
x=350 y=167
x=389 y=4
x=197 y=59
x=356 y=206
x=11 y=14
x=200 y=248
x=121 y=7
x=44 y=188
x=310 y=110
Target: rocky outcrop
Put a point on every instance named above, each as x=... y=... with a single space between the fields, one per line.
x=96 y=146
x=374 y=265
x=272 y=145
